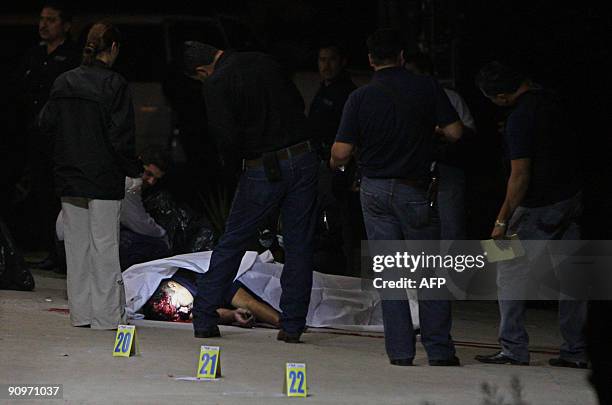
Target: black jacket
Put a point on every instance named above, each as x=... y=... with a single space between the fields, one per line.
x=89 y=119
x=253 y=106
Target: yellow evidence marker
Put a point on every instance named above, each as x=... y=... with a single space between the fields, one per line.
x=295 y=380
x=125 y=341
x=209 y=363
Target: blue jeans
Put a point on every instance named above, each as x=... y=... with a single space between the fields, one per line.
x=135 y=248
x=451 y=203
x=394 y=211
x=255 y=198
x=553 y=222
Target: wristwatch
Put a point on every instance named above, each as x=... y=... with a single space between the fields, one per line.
x=500 y=224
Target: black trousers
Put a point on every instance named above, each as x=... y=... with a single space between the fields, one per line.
x=45 y=203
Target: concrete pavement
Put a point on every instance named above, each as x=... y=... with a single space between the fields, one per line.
x=39 y=346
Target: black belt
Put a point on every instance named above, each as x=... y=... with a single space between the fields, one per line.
x=418 y=183
x=282 y=154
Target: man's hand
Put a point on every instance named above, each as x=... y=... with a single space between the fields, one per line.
x=133 y=185
x=340 y=154
x=498 y=232
x=243 y=318
x=451 y=132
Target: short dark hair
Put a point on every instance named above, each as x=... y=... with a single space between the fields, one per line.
x=421 y=61
x=335 y=45
x=65 y=13
x=155 y=155
x=384 y=45
x=496 y=78
x=197 y=54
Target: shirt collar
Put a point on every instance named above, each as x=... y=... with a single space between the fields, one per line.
x=386 y=72
x=342 y=76
x=99 y=63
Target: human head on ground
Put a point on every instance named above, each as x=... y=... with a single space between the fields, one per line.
x=502 y=84
x=156 y=163
x=199 y=59
x=55 y=22
x=385 y=49
x=419 y=63
x=332 y=61
x=102 y=44
x=170 y=302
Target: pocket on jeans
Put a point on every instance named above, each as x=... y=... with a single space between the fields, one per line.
x=419 y=214
x=373 y=203
x=255 y=174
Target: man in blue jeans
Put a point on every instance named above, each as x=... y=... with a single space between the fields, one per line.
x=255 y=112
x=392 y=121
x=450 y=159
x=543 y=202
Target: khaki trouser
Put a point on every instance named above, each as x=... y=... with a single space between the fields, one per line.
x=95 y=287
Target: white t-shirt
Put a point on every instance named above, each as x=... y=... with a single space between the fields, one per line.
x=462 y=109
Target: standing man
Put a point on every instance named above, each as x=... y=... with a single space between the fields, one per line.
x=335 y=198
x=392 y=120
x=256 y=112
x=54 y=55
x=543 y=202
x=326 y=107
x=451 y=191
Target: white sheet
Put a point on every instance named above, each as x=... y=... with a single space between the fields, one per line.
x=336 y=301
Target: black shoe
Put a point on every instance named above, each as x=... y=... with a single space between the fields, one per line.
x=288 y=337
x=559 y=362
x=401 y=362
x=454 y=362
x=500 y=358
x=207 y=333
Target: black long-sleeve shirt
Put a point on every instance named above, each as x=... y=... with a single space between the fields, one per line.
x=39 y=70
x=252 y=106
x=326 y=109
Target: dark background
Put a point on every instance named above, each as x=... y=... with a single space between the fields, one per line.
x=561 y=47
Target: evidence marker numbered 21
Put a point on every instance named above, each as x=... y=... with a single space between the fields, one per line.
x=209 y=363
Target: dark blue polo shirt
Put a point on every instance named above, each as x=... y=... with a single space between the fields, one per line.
x=395 y=135
x=537 y=129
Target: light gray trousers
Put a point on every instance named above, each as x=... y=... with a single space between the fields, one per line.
x=95 y=287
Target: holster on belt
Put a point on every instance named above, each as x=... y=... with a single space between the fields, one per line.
x=432 y=189
x=432 y=192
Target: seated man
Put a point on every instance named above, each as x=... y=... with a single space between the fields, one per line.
x=141 y=238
